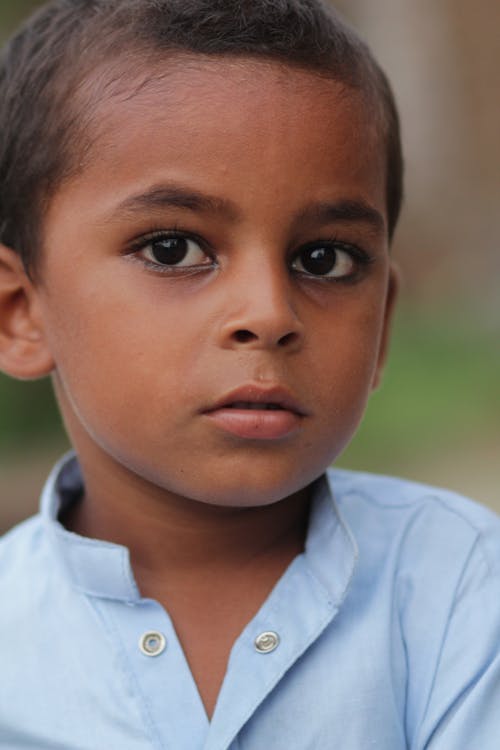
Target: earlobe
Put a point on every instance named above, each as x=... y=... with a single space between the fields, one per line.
x=23 y=350
x=390 y=304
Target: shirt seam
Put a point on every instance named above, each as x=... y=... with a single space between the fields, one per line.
x=427 y=497
x=446 y=629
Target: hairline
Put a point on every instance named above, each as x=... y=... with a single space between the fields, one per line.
x=101 y=44
x=124 y=82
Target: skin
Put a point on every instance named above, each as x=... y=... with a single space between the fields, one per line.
x=138 y=356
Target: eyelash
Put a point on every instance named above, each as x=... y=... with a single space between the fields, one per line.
x=153 y=235
x=360 y=257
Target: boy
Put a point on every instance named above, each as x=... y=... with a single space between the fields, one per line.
x=197 y=200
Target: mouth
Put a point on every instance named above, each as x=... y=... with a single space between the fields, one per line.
x=257 y=398
x=257 y=413
x=255 y=406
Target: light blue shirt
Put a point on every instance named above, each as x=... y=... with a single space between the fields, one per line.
x=384 y=634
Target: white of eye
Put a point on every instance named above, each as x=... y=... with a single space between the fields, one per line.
x=324 y=262
x=175 y=252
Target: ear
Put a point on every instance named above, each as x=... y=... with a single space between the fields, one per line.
x=390 y=303
x=23 y=350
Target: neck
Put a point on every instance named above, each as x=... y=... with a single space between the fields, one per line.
x=174 y=536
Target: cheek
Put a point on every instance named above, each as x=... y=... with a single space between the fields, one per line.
x=115 y=359
x=348 y=345
x=345 y=364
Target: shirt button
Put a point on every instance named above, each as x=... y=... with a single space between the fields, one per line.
x=267 y=642
x=152 y=643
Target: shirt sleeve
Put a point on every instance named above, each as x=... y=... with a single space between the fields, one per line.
x=463 y=710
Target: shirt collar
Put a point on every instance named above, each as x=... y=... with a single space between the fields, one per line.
x=94 y=567
x=103 y=569
x=331 y=551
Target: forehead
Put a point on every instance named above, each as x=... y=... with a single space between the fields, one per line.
x=235 y=124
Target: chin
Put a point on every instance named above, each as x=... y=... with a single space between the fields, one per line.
x=249 y=491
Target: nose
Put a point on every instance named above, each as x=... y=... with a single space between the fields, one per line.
x=262 y=315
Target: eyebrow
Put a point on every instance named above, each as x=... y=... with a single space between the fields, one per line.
x=343 y=211
x=164 y=196
x=176 y=196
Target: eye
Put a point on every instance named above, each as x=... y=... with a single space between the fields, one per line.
x=333 y=260
x=174 y=251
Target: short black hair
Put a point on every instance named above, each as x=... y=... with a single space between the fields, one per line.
x=44 y=66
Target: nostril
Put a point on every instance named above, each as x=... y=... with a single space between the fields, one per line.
x=243 y=336
x=287 y=339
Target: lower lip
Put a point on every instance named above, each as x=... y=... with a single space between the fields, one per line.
x=255 y=424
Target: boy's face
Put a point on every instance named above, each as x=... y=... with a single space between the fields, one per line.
x=223 y=250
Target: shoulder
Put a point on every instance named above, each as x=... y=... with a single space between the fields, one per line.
x=419 y=520
x=427 y=556
x=23 y=557
x=23 y=538
x=429 y=563
x=391 y=492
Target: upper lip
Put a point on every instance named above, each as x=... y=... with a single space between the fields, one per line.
x=258 y=394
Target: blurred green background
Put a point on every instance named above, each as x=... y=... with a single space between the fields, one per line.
x=436 y=417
